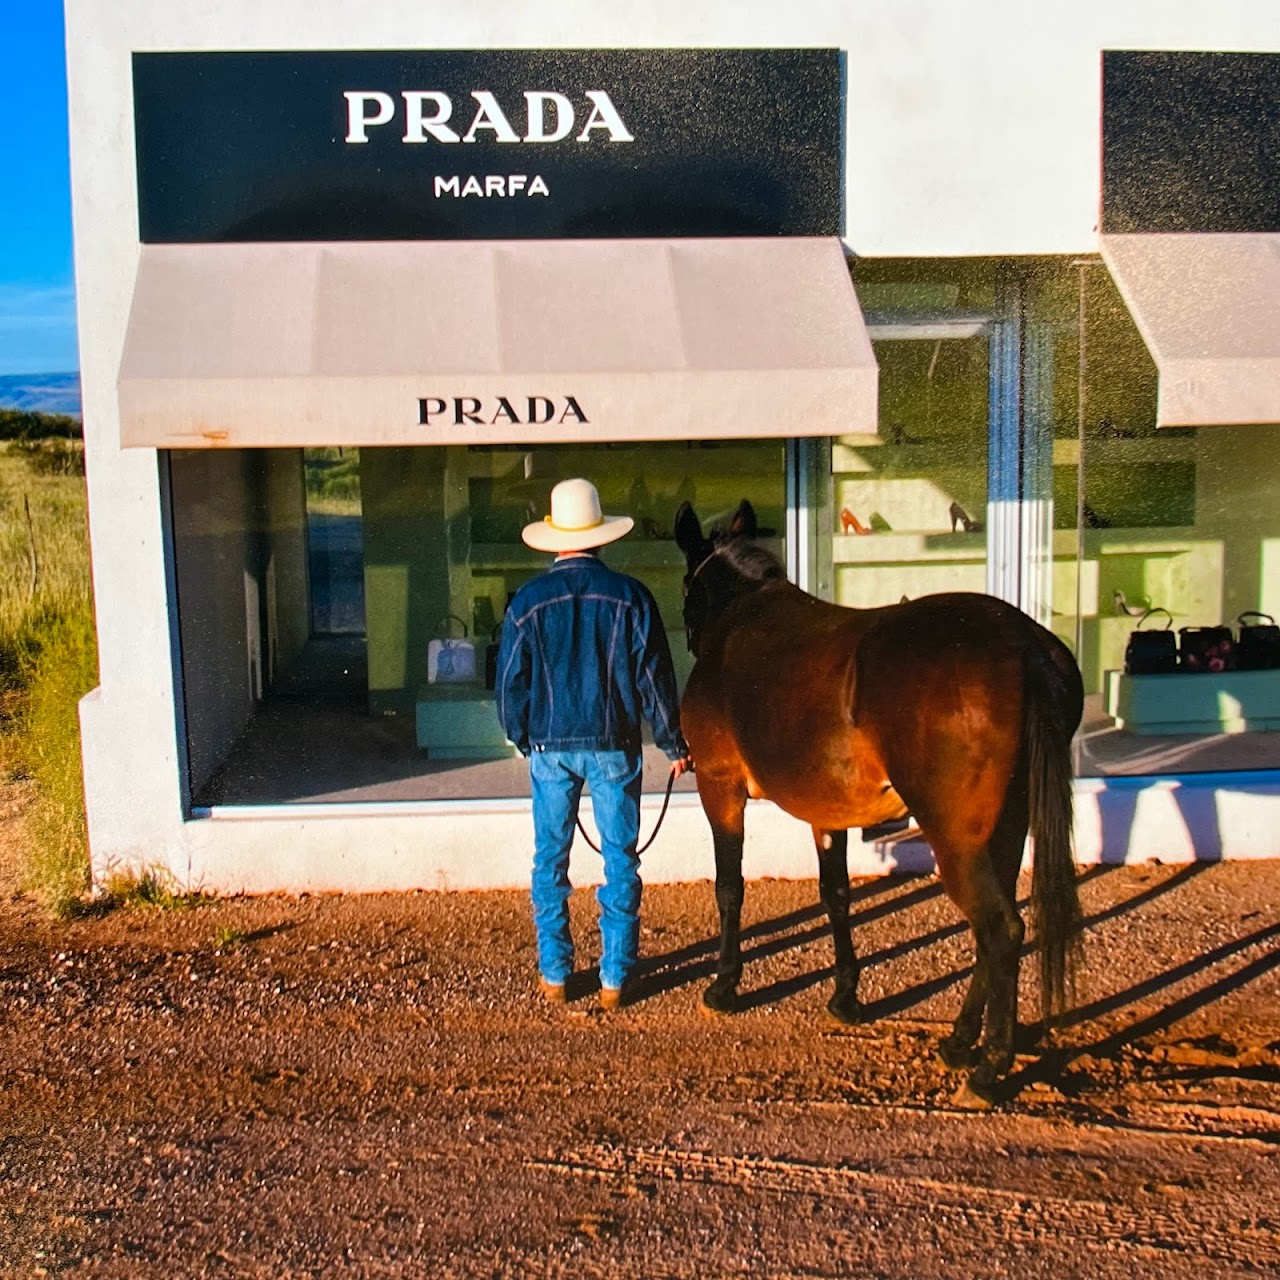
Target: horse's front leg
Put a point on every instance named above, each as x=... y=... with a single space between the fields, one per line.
x=725 y=805
x=833 y=886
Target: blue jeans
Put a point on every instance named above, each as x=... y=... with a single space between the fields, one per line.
x=557 y=779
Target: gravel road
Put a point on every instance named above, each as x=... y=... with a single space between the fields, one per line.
x=369 y=1087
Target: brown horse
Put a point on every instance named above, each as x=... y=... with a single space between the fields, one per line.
x=958 y=709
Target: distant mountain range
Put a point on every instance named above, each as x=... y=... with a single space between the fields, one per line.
x=41 y=392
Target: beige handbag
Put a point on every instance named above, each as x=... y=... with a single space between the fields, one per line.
x=451 y=659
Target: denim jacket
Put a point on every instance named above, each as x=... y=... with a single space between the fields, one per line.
x=583 y=656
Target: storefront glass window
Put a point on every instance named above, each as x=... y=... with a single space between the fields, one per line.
x=1175 y=519
x=909 y=506
x=1017 y=452
x=307 y=625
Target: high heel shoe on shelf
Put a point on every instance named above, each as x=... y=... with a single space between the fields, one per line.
x=849 y=523
x=959 y=516
x=1124 y=607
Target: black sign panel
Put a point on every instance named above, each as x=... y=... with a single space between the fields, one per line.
x=1190 y=142
x=487 y=145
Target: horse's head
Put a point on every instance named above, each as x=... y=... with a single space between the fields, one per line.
x=719 y=567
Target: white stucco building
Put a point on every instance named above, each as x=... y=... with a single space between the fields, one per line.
x=997 y=284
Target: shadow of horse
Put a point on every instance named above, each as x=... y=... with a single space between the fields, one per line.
x=1032 y=1032
x=679 y=968
x=794 y=930
x=1054 y=1065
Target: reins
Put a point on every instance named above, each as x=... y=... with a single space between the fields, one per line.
x=666 y=800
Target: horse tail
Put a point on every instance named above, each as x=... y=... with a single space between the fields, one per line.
x=1055 y=904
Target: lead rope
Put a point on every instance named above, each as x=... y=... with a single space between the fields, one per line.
x=666 y=800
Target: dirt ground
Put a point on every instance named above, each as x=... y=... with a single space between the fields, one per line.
x=368 y=1087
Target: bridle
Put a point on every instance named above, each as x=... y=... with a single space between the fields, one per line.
x=688 y=582
x=702 y=564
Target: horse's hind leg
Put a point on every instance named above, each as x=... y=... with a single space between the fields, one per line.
x=833 y=885
x=725 y=804
x=983 y=884
x=998 y=932
x=960 y=1048
x=1006 y=932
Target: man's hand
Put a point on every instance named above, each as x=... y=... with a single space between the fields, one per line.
x=683 y=765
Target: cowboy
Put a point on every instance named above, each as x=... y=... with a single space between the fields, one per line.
x=583 y=657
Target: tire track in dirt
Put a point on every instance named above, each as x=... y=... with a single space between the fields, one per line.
x=1008 y=1216
x=1239 y=1125
x=1247 y=1126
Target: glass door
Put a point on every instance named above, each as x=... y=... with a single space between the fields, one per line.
x=908 y=506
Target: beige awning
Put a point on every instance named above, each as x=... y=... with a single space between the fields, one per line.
x=523 y=342
x=1208 y=308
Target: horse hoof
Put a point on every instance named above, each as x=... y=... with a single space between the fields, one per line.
x=973 y=1097
x=956 y=1057
x=717 y=1000
x=847 y=1009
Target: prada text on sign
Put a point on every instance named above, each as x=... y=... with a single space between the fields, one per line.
x=487 y=145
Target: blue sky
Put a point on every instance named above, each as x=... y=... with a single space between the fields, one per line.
x=37 y=294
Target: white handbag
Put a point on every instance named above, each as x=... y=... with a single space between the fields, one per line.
x=451 y=659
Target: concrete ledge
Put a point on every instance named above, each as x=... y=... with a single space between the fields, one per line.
x=452 y=846
x=1194 y=702
x=1202 y=817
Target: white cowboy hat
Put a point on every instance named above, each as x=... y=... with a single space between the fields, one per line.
x=576 y=522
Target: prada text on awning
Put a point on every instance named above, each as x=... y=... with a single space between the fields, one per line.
x=381 y=343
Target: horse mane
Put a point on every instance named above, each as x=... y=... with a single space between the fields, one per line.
x=750 y=561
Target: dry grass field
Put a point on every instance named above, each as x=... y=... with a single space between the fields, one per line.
x=47 y=659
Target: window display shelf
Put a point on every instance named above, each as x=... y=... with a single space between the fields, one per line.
x=1124 y=541
x=460 y=722
x=907 y=548
x=889 y=460
x=1194 y=702
x=892 y=547
x=1173 y=541
x=1123 y=452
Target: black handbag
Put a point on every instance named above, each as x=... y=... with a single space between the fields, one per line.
x=1206 y=649
x=1258 y=648
x=1152 y=652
